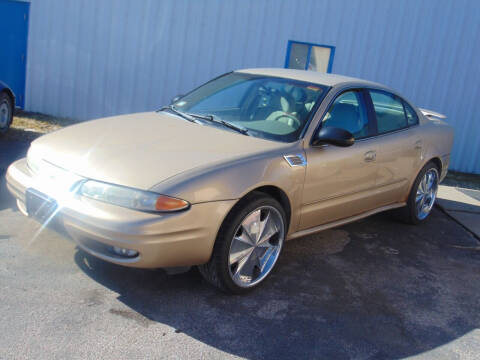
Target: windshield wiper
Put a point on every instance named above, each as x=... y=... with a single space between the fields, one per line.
x=182 y=114
x=214 y=119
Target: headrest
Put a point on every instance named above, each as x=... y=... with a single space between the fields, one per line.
x=299 y=94
x=345 y=116
x=287 y=102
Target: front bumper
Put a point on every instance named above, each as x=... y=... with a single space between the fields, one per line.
x=162 y=240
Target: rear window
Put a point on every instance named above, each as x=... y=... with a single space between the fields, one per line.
x=389 y=111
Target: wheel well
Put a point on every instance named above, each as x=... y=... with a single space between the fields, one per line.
x=438 y=163
x=279 y=195
x=10 y=95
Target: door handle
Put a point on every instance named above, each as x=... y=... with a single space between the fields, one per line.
x=370 y=156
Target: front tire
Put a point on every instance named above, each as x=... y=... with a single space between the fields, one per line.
x=6 y=112
x=422 y=195
x=248 y=245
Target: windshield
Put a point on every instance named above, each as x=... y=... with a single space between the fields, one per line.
x=268 y=107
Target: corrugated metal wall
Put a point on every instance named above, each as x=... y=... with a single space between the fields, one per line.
x=92 y=58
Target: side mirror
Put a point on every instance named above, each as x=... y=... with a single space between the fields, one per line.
x=333 y=136
x=175 y=99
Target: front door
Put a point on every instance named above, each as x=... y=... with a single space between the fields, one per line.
x=339 y=181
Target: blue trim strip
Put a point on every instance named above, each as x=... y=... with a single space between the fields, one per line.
x=287 y=58
x=330 y=62
x=27 y=19
x=14 y=18
x=307 y=63
x=289 y=49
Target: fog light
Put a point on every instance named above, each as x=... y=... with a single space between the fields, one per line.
x=124 y=252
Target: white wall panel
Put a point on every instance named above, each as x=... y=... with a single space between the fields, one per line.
x=93 y=58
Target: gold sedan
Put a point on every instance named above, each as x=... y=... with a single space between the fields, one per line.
x=226 y=174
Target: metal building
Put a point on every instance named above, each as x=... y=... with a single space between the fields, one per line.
x=93 y=58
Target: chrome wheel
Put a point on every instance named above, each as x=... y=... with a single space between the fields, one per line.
x=256 y=245
x=426 y=193
x=4 y=114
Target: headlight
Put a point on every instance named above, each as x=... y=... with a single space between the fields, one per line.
x=131 y=198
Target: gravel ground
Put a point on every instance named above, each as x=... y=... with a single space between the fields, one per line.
x=462 y=180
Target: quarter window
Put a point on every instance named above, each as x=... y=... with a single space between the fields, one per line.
x=348 y=112
x=389 y=111
x=412 y=117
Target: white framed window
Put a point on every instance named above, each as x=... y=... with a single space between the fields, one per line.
x=308 y=56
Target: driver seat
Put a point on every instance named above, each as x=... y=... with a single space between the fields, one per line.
x=285 y=102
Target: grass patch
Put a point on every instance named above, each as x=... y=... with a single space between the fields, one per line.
x=27 y=126
x=463 y=180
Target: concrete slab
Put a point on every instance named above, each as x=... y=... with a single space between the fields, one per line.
x=470 y=220
x=471 y=192
x=458 y=199
x=462 y=204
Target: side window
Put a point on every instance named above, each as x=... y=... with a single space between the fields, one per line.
x=389 y=111
x=348 y=112
x=412 y=117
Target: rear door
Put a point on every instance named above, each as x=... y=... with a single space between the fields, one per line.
x=399 y=146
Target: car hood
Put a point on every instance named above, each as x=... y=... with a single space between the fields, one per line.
x=144 y=149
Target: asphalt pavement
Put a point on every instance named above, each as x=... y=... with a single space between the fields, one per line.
x=10 y=151
x=374 y=289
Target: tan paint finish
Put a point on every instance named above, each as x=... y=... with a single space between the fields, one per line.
x=213 y=168
x=398 y=157
x=155 y=145
x=235 y=179
x=336 y=176
x=177 y=239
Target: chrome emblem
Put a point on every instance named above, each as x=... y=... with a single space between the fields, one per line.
x=296 y=160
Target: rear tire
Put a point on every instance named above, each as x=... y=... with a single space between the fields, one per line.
x=248 y=245
x=6 y=112
x=422 y=196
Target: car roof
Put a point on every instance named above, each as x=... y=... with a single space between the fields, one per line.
x=310 y=76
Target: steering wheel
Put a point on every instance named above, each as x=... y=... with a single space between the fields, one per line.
x=289 y=116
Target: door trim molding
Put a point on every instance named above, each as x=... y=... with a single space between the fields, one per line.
x=372 y=188
x=344 y=221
